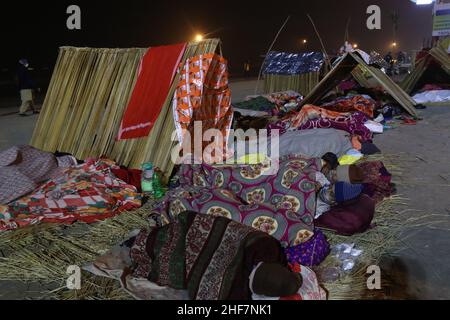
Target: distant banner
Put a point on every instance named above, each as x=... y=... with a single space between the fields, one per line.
x=441 y=21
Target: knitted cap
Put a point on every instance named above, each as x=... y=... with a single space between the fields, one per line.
x=275 y=280
x=346 y=191
x=369 y=148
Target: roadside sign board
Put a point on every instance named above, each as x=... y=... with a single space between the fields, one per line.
x=441 y=20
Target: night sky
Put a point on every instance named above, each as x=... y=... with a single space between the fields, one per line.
x=36 y=29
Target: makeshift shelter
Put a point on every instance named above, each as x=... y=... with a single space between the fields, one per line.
x=86 y=100
x=367 y=76
x=431 y=68
x=299 y=72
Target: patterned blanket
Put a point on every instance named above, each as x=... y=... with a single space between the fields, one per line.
x=377 y=180
x=202 y=94
x=311 y=117
x=22 y=168
x=281 y=204
x=210 y=257
x=88 y=192
x=353 y=124
x=258 y=104
x=351 y=104
x=296 y=119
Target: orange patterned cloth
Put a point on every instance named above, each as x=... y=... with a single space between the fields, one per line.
x=203 y=95
x=310 y=112
x=351 y=104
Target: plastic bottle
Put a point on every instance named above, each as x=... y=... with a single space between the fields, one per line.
x=147 y=178
x=158 y=190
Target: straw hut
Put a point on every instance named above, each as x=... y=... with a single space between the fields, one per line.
x=299 y=72
x=367 y=76
x=433 y=67
x=87 y=97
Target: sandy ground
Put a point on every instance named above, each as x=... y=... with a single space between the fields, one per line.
x=420 y=268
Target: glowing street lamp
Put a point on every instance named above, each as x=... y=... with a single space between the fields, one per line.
x=355 y=46
x=198 y=38
x=422 y=2
x=304 y=41
x=394 y=44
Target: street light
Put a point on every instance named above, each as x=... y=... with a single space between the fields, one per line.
x=355 y=46
x=198 y=38
x=305 y=41
x=422 y=2
x=394 y=44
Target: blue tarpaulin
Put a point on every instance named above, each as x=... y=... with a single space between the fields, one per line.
x=284 y=63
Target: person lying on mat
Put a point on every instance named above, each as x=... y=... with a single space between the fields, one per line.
x=208 y=258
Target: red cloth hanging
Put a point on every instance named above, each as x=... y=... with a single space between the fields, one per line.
x=157 y=70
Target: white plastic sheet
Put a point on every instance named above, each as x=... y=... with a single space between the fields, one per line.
x=432 y=96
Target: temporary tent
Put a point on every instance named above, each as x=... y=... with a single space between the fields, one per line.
x=367 y=76
x=299 y=72
x=86 y=100
x=432 y=68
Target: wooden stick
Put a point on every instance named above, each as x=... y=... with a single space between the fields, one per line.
x=268 y=51
x=347 y=36
x=321 y=42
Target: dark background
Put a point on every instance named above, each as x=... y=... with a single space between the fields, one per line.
x=36 y=29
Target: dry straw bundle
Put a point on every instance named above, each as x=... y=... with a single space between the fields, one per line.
x=302 y=83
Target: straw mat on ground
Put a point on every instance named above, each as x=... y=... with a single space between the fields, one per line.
x=43 y=252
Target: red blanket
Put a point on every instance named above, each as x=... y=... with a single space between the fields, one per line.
x=156 y=74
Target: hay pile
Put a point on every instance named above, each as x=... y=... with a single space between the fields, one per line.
x=43 y=252
x=375 y=243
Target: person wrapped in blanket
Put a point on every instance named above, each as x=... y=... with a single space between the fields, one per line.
x=204 y=257
x=50 y=188
x=281 y=203
x=23 y=168
x=346 y=202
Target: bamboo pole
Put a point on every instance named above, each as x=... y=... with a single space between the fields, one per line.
x=321 y=42
x=268 y=51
